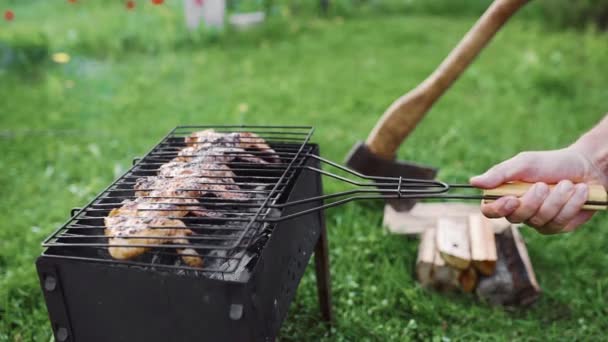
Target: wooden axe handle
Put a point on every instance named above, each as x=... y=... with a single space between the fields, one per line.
x=403 y=114
x=597 y=193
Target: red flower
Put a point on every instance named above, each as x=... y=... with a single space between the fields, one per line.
x=199 y=2
x=72 y=1
x=9 y=15
x=130 y=4
x=158 y=2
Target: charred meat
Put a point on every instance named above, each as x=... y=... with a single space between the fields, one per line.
x=190 y=187
x=200 y=170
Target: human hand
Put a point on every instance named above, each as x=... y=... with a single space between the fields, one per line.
x=550 y=211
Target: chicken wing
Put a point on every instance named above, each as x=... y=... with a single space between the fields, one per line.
x=123 y=231
x=193 y=187
x=246 y=141
x=200 y=170
x=217 y=155
x=195 y=169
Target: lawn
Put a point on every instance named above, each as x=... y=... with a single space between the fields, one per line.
x=67 y=130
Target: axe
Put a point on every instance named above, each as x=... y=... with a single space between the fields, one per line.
x=376 y=156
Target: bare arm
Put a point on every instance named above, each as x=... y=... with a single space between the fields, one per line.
x=558 y=210
x=594 y=145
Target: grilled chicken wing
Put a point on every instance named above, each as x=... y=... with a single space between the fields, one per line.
x=198 y=171
x=193 y=187
x=243 y=140
x=155 y=207
x=123 y=231
x=167 y=202
x=195 y=169
x=217 y=155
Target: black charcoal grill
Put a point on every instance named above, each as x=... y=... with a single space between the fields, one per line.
x=253 y=261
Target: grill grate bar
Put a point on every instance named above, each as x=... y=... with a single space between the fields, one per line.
x=197 y=237
x=209 y=202
x=168 y=252
x=193 y=189
x=198 y=227
x=130 y=183
x=198 y=246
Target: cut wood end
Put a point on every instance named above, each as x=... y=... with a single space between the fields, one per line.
x=424 y=216
x=456 y=262
x=468 y=279
x=453 y=241
x=427 y=248
x=424 y=274
x=499 y=224
x=525 y=257
x=438 y=261
x=404 y=222
x=513 y=282
x=485 y=267
x=426 y=257
x=444 y=277
x=483 y=244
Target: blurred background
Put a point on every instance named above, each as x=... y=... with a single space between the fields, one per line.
x=86 y=85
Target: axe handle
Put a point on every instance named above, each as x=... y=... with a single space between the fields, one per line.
x=402 y=116
x=597 y=193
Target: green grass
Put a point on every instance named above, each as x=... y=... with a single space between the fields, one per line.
x=67 y=130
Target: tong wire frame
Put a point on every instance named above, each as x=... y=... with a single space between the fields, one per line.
x=384 y=188
x=381 y=187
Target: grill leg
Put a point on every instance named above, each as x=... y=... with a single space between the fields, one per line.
x=323 y=276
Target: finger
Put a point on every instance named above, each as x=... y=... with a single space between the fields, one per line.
x=578 y=220
x=530 y=203
x=511 y=169
x=552 y=205
x=571 y=209
x=502 y=207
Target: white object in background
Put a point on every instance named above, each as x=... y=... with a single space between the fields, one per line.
x=244 y=20
x=193 y=10
x=214 y=12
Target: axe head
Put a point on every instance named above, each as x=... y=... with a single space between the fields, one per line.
x=363 y=160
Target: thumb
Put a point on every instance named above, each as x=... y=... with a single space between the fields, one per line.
x=512 y=169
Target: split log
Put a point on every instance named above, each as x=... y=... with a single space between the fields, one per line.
x=525 y=258
x=468 y=279
x=426 y=256
x=445 y=277
x=453 y=241
x=513 y=282
x=483 y=245
x=431 y=269
x=425 y=215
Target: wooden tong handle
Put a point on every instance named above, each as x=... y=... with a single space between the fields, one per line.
x=404 y=114
x=597 y=193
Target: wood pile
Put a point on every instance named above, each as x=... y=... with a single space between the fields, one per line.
x=460 y=249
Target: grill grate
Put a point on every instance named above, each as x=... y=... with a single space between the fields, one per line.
x=228 y=226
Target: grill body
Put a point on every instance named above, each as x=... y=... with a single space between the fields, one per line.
x=101 y=301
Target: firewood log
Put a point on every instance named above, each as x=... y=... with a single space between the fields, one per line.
x=431 y=269
x=483 y=245
x=445 y=277
x=426 y=256
x=453 y=241
x=425 y=215
x=468 y=279
x=513 y=282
